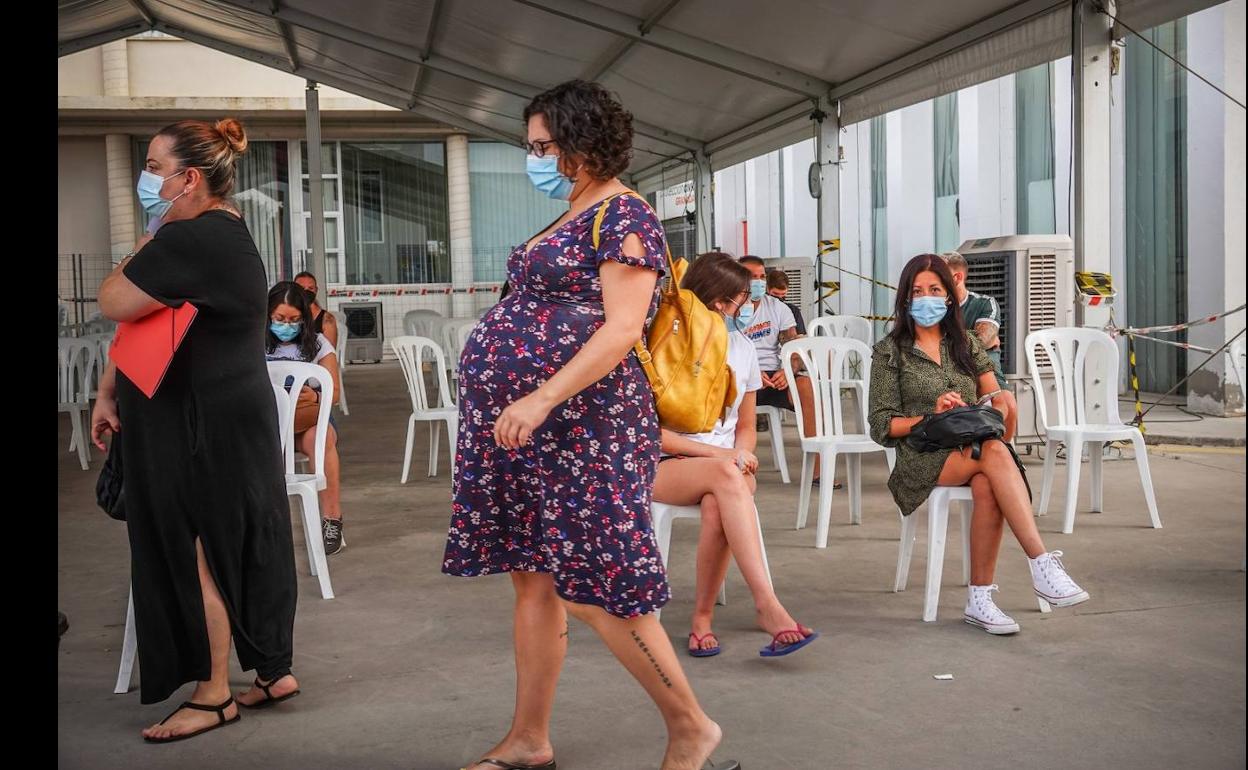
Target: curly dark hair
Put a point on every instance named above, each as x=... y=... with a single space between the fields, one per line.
x=588 y=121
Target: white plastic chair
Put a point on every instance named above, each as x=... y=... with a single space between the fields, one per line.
x=99 y=361
x=340 y=353
x=855 y=328
x=305 y=486
x=455 y=332
x=76 y=362
x=824 y=359
x=419 y=323
x=775 y=421
x=939 y=503
x=1081 y=390
x=661 y=517
x=412 y=353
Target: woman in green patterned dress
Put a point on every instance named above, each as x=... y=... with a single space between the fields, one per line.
x=927 y=364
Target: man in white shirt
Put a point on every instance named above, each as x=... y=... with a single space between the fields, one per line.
x=773 y=325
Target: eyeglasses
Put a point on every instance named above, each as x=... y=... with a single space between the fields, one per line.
x=538 y=148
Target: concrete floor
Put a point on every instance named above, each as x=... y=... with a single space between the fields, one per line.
x=408 y=668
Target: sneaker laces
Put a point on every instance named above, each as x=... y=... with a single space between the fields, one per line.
x=1055 y=572
x=988 y=609
x=331 y=527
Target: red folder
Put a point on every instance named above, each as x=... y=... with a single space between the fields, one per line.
x=143 y=349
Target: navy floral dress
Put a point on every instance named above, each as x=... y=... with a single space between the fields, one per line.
x=575 y=501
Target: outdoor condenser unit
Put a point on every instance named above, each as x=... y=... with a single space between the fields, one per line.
x=1032 y=278
x=801 y=273
x=365 y=337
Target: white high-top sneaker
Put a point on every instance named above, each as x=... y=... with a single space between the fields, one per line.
x=1051 y=582
x=982 y=611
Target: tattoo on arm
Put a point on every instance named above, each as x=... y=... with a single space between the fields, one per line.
x=987 y=334
x=653 y=662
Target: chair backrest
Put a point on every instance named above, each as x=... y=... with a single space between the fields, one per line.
x=101 y=343
x=300 y=372
x=1084 y=365
x=283 y=413
x=412 y=353
x=455 y=333
x=825 y=359
x=341 y=348
x=851 y=326
x=75 y=360
x=847 y=326
x=1237 y=363
x=416 y=322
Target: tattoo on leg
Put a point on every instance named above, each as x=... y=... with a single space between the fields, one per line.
x=653 y=662
x=566 y=631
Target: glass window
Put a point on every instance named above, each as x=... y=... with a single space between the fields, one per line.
x=506 y=209
x=394 y=213
x=1033 y=135
x=945 y=157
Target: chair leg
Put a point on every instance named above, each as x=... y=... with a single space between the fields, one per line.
x=662 y=525
x=905 y=548
x=967 y=510
x=129 y=648
x=803 y=494
x=307 y=539
x=1146 y=477
x=312 y=532
x=342 y=396
x=723 y=593
x=763 y=547
x=452 y=441
x=777 y=446
x=435 y=438
x=853 y=469
x=1046 y=479
x=827 y=461
x=1074 y=464
x=1096 y=457
x=79 y=438
x=407 y=453
x=937 y=526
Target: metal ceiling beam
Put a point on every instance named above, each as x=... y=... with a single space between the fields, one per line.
x=146 y=14
x=435 y=16
x=99 y=38
x=687 y=46
x=618 y=50
x=414 y=55
x=288 y=37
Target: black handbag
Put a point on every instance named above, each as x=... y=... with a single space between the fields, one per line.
x=109 y=493
x=963 y=426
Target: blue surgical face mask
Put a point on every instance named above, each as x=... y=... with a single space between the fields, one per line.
x=928 y=311
x=758 y=287
x=745 y=314
x=544 y=174
x=149 y=193
x=285 y=331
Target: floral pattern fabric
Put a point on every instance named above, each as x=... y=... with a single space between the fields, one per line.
x=575 y=501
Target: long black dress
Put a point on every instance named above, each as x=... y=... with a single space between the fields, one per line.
x=202 y=460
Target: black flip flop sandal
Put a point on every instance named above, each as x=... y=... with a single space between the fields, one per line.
x=197 y=707
x=269 y=700
x=728 y=764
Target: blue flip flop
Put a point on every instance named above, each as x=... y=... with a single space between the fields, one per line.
x=699 y=652
x=776 y=650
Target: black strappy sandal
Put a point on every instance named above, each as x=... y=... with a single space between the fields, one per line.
x=504 y=765
x=269 y=700
x=197 y=707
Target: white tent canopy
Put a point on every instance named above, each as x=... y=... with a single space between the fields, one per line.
x=725 y=79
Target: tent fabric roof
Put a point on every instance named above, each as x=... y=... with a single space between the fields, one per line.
x=731 y=78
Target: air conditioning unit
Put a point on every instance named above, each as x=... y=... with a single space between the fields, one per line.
x=1032 y=278
x=801 y=274
x=365 y=335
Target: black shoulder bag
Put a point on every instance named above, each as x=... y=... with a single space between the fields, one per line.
x=963 y=426
x=109 y=493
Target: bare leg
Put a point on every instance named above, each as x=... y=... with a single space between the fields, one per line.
x=541 y=642
x=688 y=482
x=642 y=645
x=216 y=690
x=331 y=496
x=997 y=464
x=806 y=392
x=987 y=527
x=713 y=556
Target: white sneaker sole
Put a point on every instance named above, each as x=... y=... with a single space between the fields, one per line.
x=997 y=629
x=1066 y=601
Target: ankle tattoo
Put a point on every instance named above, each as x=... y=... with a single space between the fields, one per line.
x=653 y=662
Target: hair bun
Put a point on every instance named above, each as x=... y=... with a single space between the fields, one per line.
x=232 y=131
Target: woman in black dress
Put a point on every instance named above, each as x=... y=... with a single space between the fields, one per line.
x=207 y=512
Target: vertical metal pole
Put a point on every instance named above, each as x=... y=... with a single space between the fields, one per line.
x=315 y=195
